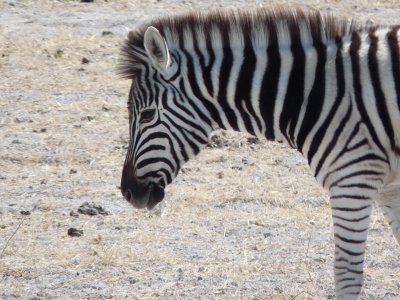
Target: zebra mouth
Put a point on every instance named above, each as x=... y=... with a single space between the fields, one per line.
x=156 y=195
x=144 y=197
x=138 y=193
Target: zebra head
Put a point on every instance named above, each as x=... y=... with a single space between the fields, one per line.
x=165 y=130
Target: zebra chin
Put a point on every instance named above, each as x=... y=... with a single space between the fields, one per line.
x=137 y=193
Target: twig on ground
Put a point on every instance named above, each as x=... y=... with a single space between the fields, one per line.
x=9 y=239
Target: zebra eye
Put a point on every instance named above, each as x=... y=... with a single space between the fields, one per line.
x=147 y=115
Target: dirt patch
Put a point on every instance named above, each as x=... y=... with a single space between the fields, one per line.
x=244 y=220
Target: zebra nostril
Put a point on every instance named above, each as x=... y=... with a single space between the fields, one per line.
x=128 y=194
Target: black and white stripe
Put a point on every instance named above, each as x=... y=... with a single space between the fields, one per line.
x=327 y=87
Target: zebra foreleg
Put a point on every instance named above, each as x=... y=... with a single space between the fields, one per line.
x=351 y=215
x=389 y=202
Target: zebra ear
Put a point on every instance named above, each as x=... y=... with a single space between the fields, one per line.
x=157 y=49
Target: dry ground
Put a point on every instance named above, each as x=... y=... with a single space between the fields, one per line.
x=244 y=220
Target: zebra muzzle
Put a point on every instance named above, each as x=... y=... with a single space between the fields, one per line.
x=137 y=193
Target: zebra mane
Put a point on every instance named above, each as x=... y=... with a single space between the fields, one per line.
x=271 y=20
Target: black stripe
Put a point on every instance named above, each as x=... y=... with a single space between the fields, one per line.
x=361 y=143
x=244 y=84
x=193 y=103
x=354 y=174
x=358 y=185
x=393 y=44
x=320 y=134
x=347 y=270
x=295 y=90
x=352 y=285
x=151 y=148
x=366 y=157
x=373 y=65
x=179 y=102
x=347 y=279
x=197 y=93
x=154 y=174
x=269 y=84
x=351 y=220
x=350 y=197
x=147 y=91
x=158 y=135
x=350 y=252
x=186 y=133
x=152 y=160
x=351 y=241
x=224 y=75
x=355 y=63
x=333 y=143
x=349 y=229
x=316 y=98
x=171 y=145
x=205 y=70
x=180 y=116
x=345 y=149
x=355 y=263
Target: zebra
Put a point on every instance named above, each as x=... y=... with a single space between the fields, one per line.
x=323 y=85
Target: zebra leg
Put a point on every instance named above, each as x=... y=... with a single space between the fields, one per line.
x=351 y=214
x=389 y=202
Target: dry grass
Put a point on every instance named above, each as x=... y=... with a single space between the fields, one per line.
x=228 y=230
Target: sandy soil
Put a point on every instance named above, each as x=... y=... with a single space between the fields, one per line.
x=244 y=220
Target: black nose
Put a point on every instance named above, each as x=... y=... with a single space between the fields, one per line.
x=126 y=182
x=127 y=194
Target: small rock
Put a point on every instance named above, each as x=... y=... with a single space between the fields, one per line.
x=85 y=60
x=25 y=212
x=73 y=214
x=132 y=280
x=22 y=120
x=104 y=33
x=58 y=53
x=73 y=171
x=88 y=118
x=87 y=1
x=92 y=209
x=237 y=168
x=75 y=232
